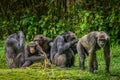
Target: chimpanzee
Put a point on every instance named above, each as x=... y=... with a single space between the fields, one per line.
x=89 y=44
x=61 y=53
x=45 y=43
x=14 y=49
x=32 y=54
x=74 y=48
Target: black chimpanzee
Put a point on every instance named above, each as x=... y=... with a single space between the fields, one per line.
x=61 y=53
x=44 y=42
x=89 y=44
x=32 y=54
x=14 y=49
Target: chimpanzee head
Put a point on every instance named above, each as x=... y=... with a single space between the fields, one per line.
x=39 y=39
x=102 y=39
x=69 y=36
x=32 y=47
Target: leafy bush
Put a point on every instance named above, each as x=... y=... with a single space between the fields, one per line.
x=51 y=18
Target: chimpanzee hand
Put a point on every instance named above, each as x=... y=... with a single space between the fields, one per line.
x=74 y=41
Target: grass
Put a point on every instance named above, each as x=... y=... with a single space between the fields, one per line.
x=34 y=72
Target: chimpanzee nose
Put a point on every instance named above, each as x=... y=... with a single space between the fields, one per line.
x=32 y=51
x=102 y=45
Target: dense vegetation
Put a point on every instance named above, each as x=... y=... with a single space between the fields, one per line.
x=52 y=17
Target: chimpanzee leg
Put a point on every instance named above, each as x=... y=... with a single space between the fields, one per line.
x=95 y=63
x=61 y=60
x=70 y=58
x=81 y=53
x=107 y=59
x=91 y=62
x=10 y=57
x=20 y=59
x=10 y=61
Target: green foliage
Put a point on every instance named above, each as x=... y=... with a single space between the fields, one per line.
x=51 y=18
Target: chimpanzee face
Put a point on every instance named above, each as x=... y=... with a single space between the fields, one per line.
x=32 y=49
x=70 y=36
x=101 y=41
x=39 y=39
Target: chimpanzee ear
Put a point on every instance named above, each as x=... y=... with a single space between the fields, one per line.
x=96 y=36
x=107 y=38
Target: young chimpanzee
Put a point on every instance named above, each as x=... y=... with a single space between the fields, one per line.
x=89 y=44
x=32 y=54
x=45 y=43
x=14 y=49
x=61 y=53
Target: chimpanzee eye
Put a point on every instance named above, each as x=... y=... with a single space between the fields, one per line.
x=41 y=37
x=101 y=39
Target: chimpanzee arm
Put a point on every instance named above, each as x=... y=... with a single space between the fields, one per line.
x=107 y=55
x=74 y=49
x=92 y=50
x=62 y=45
x=21 y=40
x=48 y=41
x=32 y=58
x=27 y=52
x=35 y=58
x=39 y=49
x=93 y=45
